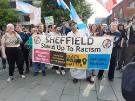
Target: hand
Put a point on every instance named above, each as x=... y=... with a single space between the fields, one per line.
x=4 y=56
x=130 y=24
x=121 y=46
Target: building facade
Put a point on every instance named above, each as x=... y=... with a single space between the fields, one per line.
x=120 y=10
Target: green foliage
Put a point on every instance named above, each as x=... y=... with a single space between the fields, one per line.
x=50 y=8
x=7 y=14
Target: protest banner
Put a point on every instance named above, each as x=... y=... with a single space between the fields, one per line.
x=73 y=52
x=49 y=20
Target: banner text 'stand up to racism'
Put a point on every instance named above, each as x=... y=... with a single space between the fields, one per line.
x=73 y=52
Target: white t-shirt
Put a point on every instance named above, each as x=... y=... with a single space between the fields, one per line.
x=77 y=73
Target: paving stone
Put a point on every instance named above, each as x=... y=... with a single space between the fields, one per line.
x=71 y=89
x=8 y=91
x=103 y=82
x=116 y=84
x=87 y=95
x=105 y=93
x=52 y=95
x=36 y=94
x=86 y=85
x=69 y=98
x=19 y=95
x=55 y=87
x=119 y=96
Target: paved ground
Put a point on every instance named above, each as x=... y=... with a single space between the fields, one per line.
x=55 y=87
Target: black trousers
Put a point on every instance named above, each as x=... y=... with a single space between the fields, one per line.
x=112 y=66
x=14 y=55
x=122 y=56
x=26 y=57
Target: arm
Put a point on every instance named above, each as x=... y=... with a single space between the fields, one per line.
x=122 y=42
x=3 y=47
x=128 y=26
x=46 y=29
x=20 y=39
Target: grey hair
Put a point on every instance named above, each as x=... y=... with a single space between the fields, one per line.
x=10 y=25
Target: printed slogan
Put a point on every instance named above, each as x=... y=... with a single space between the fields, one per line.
x=73 y=52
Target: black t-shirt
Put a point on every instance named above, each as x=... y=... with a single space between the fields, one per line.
x=131 y=36
x=123 y=34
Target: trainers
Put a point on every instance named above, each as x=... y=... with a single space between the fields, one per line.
x=23 y=76
x=111 y=79
x=43 y=73
x=9 y=79
x=57 y=72
x=100 y=77
x=91 y=79
x=63 y=72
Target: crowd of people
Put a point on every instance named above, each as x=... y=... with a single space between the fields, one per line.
x=16 y=47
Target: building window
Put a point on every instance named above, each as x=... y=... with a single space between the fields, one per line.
x=132 y=4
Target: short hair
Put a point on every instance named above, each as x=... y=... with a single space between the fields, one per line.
x=10 y=25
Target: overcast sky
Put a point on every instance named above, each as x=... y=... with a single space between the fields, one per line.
x=99 y=10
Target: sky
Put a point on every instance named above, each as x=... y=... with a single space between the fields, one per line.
x=99 y=10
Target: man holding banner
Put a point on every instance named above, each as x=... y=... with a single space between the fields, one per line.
x=117 y=38
x=76 y=73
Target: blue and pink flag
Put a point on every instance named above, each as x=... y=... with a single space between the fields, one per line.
x=24 y=7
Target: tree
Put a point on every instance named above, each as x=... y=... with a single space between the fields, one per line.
x=50 y=8
x=7 y=14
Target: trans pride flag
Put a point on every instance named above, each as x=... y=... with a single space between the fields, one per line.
x=24 y=7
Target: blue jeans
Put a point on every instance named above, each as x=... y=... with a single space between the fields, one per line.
x=36 y=66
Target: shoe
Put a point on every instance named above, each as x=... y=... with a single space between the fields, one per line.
x=75 y=81
x=100 y=77
x=43 y=73
x=35 y=73
x=9 y=79
x=57 y=72
x=23 y=76
x=111 y=79
x=91 y=79
x=63 y=72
